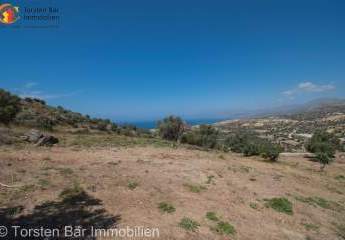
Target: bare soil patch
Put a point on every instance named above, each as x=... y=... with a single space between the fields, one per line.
x=231 y=186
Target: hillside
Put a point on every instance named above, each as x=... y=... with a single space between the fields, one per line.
x=292 y=128
x=33 y=113
x=99 y=175
x=36 y=113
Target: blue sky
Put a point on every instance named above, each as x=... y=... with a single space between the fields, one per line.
x=141 y=60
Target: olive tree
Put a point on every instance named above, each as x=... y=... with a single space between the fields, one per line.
x=171 y=128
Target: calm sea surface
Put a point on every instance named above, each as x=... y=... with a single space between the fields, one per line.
x=152 y=124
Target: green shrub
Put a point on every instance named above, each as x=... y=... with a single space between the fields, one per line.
x=310 y=226
x=171 y=128
x=237 y=141
x=212 y=216
x=166 y=207
x=192 y=138
x=270 y=151
x=189 y=224
x=250 y=144
x=9 y=106
x=132 y=185
x=324 y=145
x=251 y=149
x=322 y=141
x=280 y=205
x=204 y=136
x=224 y=228
x=340 y=177
x=253 y=205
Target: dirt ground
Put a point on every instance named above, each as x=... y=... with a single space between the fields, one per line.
x=123 y=186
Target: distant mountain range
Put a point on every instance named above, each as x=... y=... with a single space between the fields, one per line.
x=315 y=108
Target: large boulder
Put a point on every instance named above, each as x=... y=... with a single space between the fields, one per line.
x=33 y=136
x=40 y=139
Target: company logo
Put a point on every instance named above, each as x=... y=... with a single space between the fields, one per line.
x=8 y=14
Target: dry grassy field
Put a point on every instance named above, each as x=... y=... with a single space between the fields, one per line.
x=219 y=195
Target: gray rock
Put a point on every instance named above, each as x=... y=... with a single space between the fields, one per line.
x=39 y=139
x=47 y=140
x=33 y=135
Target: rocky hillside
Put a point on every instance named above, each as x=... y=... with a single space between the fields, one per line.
x=20 y=114
x=36 y=113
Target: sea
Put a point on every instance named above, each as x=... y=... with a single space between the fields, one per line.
x=153 y=124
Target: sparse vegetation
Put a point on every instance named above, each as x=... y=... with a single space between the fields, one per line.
x=195 y=188
x=212 y=216
x=98 y=149
x=44 y=183
x=15 y=211
x=224 y=228
x=35 y=113
x=253 y=205
x=209 y=179
x=320 y=202
x=340 y=177
x=280 y=205
x=166 y=207
x=112 y=140
x=132 y=185
x=221 y=227
x=310 y=226
x=70 y=192
x=189 y=224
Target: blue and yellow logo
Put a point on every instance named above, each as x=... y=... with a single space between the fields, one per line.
x=8 y=14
